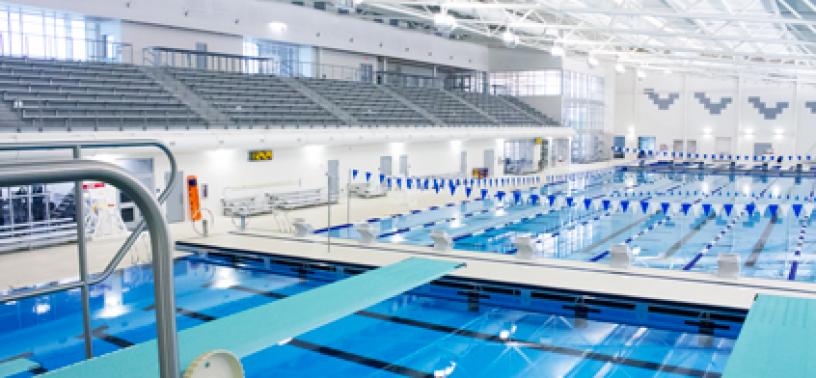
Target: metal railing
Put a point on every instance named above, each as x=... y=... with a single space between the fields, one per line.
x=223 y=62
x=153 y=221
x=64 y=48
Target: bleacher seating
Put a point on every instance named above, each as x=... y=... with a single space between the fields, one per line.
x=535 y=113
x=49 y=93
x=366 y=102
x=255 y=99
x=498 y=109
x=443 y=105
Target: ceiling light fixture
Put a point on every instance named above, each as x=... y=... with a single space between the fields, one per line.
x=558 y=51
x=510 y=39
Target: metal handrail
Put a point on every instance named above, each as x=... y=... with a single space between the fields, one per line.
x=85 y=280
x=78 y=170
x=140 y=227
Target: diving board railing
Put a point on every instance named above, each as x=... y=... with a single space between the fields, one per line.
x=45 y=172
x=275 y=323
x=85 y=280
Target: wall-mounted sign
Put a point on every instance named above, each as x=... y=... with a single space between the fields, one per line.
x=260 y=155
x=538 y=141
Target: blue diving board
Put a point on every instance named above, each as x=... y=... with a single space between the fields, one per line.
x=16 y=366
x=778 y=339
x=258 y=328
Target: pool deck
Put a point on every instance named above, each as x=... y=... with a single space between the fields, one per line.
x=664 y=285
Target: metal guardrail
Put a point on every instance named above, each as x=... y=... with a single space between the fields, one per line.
x=86 y=280
x=224 y=62
x=43 y=46
x=78 y=170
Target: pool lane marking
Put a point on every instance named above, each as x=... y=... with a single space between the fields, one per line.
x=800 y=244
x=574 y=352
x=760 y=244
x=696 y=229
x=99 y=333
x=359 y=359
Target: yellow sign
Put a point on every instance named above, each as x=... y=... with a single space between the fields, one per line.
x=538 y=141
x=260 y=155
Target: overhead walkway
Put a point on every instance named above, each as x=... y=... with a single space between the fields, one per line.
x=778 y=339
x=261 y=327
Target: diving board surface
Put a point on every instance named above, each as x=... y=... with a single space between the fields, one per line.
x=16 y=366
x=778 y=339
x=258 y=328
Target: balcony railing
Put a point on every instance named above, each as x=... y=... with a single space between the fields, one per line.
x=64 y=48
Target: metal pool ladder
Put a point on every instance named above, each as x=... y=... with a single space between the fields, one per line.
x=50 y=171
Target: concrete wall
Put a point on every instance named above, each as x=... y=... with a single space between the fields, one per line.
x=734 y=128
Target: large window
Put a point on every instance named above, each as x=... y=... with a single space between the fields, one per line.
x=583 y=101
x=284 y=59
x=526 y=83
x=40 y=33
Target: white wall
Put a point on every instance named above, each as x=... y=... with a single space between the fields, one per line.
x=789 y=133
x=146 y=35
x=304 y=26
x=305 y=166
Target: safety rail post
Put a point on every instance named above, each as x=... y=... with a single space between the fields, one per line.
x=85 y=280
x=82 y=253
x=77 y=170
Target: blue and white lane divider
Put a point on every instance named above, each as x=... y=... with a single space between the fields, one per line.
x=710 y=245
x=719 y=157
x=666 y=218
x=800 y=244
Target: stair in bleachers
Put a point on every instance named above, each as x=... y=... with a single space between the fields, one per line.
x=63 y=95
x=504 y=113
x=366 y=102
x=211 y=115
x=531 y=111
x=255 y=100
x=427 y=115
x=331 y=107
x=443 y=105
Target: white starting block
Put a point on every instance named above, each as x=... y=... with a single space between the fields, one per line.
x=442 y=241
x=525 y=246
x=728 y=265
x=367 y=232
x=302 y=229
x=620 y=256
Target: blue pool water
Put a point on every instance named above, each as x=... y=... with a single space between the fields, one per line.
x=771 y=240
x=415 y=334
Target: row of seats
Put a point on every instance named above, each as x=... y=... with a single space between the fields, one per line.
x=443 y=105
x=367 y=103
x=63 y=94
x=497 y=108
x=255 y=99
x=49 y=93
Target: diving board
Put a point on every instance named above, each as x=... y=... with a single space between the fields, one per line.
x=258 y=328
x=17 y=366
x=778 y=339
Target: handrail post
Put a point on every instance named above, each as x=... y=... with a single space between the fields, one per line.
x=79 y=214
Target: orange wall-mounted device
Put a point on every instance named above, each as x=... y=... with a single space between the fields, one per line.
x=193 y=198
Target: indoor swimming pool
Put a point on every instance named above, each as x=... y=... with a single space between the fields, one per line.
x=677 y=221
x=446 y=328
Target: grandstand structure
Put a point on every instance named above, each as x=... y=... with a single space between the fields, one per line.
x=41 y=95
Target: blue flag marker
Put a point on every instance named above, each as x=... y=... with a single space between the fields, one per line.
x=354 y=173
x=587 y=203
x=551 y=199
x=684 y=207
x=382 y=178
x=750 y=208
x=664 y=206
x=624 y=205
x=606 y=204
x=728 y=207
x=468 y=190
x=500 y=195
x=773 y=209
x=644 y=206
x=368 y=176
x=516 y=196
x=706 y=208
x=797 y=208
x=534 y=199
x=484 y=193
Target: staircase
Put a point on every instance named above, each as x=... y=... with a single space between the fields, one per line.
x=320 y=100
x=474 y=108
x=436 y=121
x=212 y=116
x=9 y=119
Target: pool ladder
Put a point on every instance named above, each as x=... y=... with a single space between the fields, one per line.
x=77 y=170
